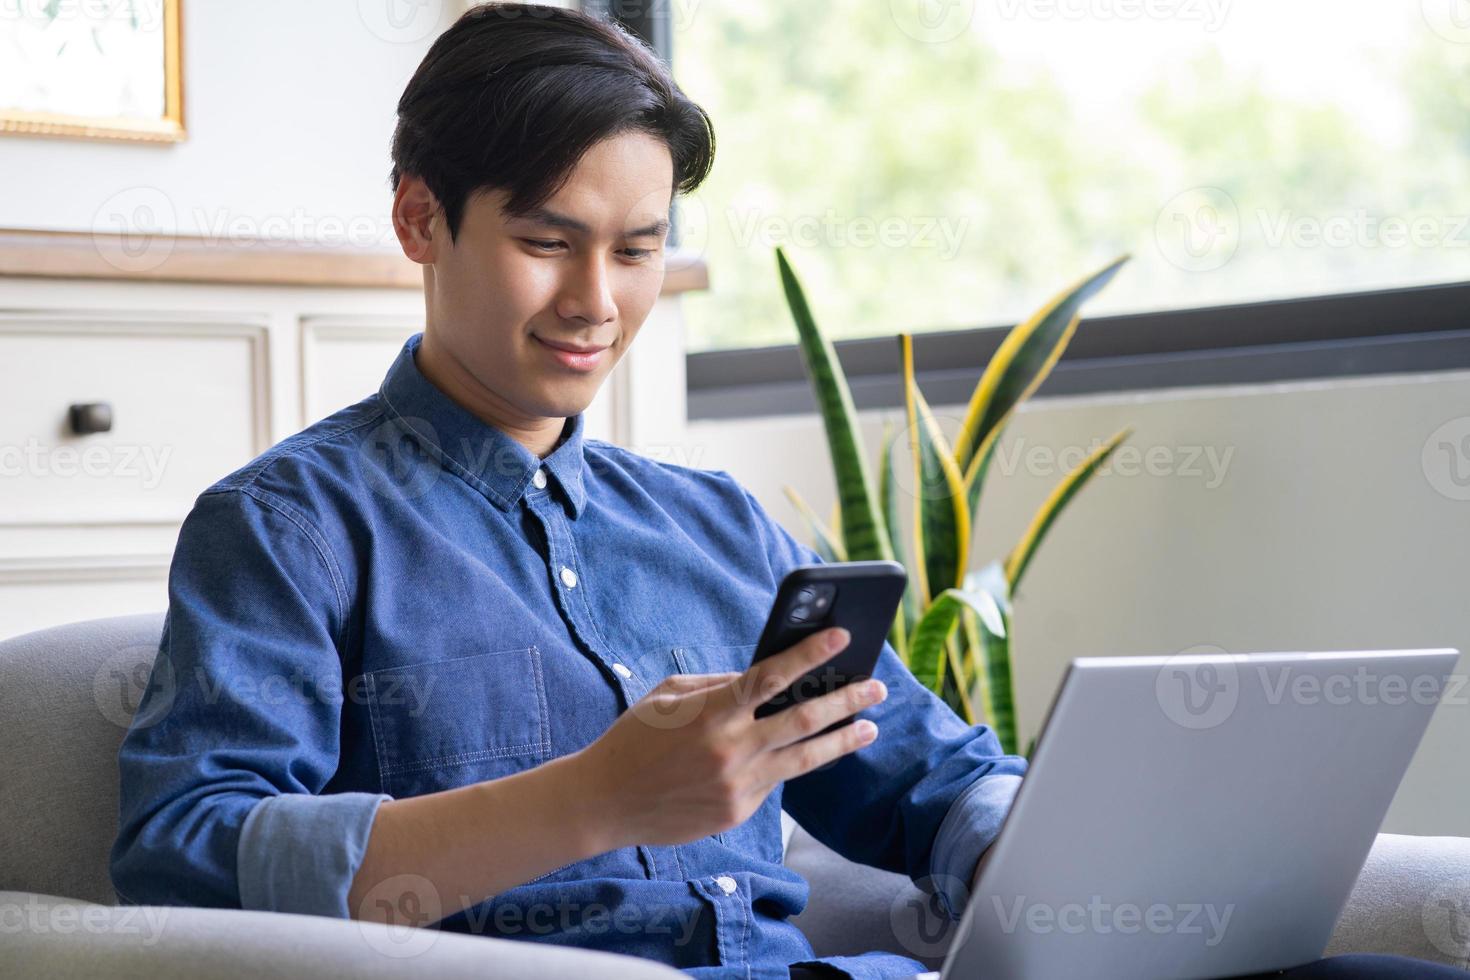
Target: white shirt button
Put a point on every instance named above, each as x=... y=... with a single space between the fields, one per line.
x=622 y=671
x=539 y=479
x=726 y=883
x=568 y=577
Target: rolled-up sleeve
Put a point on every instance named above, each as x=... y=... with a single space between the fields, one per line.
x=237 y=733
x=925 y=798
x=970 y=826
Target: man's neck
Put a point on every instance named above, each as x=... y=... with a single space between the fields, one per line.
x=540 y=435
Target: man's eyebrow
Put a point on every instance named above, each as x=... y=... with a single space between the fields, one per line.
x=554 y=219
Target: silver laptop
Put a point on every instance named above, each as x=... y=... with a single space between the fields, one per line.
x=1200 y=815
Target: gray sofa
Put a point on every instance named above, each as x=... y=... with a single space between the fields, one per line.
x=64 y=710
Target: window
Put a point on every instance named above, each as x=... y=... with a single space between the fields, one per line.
x=932 y=165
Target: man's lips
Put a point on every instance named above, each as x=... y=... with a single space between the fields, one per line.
x=576 y=358
x=570 y=348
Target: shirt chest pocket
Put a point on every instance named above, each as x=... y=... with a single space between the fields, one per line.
x=454 y=722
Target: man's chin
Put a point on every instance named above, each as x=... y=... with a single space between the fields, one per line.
x=565 y=404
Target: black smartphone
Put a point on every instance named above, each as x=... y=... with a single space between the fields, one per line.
x=860 y=596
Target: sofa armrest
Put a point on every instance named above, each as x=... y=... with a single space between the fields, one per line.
x=1412 y=898
x=48 y=937
x=854 y=908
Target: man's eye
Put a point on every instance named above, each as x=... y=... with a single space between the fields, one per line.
x=543 y=245
x=638 y=253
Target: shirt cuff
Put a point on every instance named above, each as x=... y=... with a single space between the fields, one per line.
x=968 y=828
x=300 y=853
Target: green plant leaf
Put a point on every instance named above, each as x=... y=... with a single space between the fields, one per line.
x=974 y=651
x=990 y=648
x=888 y=500
x=961 y=696
x=1019 y=366
x=864 y=535
x=941 y=516
x=927 y=655
x=1020 y=556
x=824 y=542
x=1002 y=716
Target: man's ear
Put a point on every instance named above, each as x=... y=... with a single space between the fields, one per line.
x=418 y=220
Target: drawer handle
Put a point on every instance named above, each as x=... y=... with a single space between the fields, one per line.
x=89 y=417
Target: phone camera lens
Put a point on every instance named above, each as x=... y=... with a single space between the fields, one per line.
x=799 y=614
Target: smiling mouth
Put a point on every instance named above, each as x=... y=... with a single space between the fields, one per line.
x=583 y=360
x=571 y=348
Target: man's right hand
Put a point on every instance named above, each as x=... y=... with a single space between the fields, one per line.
x=690 y=758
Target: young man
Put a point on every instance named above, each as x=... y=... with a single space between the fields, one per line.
x=440 y=659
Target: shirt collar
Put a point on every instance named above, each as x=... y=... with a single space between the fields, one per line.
x=481 y=454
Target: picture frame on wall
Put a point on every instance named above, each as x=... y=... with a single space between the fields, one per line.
x=92 y=69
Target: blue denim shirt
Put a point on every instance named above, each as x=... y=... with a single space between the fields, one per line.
x=401 y=599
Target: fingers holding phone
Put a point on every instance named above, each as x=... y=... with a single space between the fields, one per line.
x=699 y=753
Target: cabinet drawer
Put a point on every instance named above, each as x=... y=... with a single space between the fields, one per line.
x=343 y=359
x=188 y=404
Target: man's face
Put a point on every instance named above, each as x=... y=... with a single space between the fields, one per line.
x=582 y=273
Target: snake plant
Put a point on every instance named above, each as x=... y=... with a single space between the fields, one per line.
x=954 y=628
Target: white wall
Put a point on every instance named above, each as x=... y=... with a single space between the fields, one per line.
x=1325 y=530
x=289 y=108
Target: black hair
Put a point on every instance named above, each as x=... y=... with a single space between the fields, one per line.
x=513 y=94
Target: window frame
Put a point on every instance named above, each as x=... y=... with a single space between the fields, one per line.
x=1415 y=329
